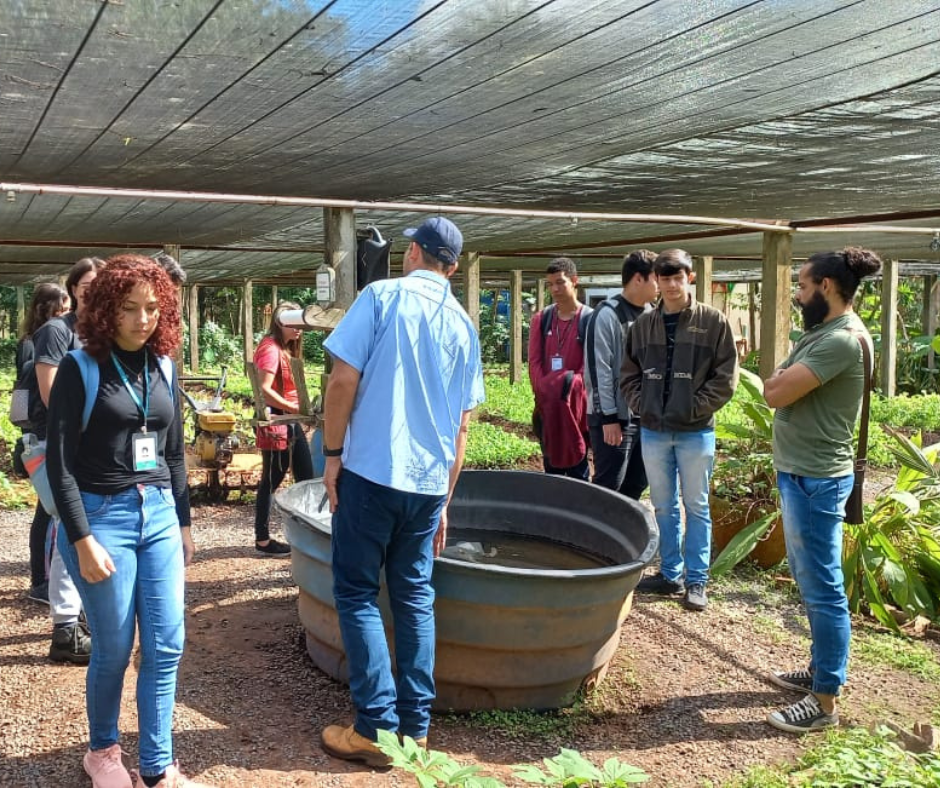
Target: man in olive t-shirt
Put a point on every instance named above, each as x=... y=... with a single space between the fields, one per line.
x=817 y=392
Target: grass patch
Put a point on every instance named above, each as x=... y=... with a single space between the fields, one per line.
x=883 y=649
x=770 y=628
x=758 y=587
x=518 y=724
x=489 y=446
x=756 y=777
x=511 y=401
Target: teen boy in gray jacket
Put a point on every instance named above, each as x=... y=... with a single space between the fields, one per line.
x=614 y=430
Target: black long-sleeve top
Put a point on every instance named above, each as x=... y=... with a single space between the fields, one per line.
x=100 y=460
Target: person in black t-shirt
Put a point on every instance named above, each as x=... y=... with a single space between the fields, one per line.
x=120 y=487
x=71 y=640
x=49 y=301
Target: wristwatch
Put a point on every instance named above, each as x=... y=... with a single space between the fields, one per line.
x=333 y=452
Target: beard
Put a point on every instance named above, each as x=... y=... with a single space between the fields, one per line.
x=814 y=311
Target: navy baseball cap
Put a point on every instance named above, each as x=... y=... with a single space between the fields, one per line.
x=440 y=238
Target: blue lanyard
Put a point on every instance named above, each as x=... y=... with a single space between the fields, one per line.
x=144 y=407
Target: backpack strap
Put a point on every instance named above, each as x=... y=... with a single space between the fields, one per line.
x=584 y=317
x=165 y=364
x=545 y=325
x=91 y=377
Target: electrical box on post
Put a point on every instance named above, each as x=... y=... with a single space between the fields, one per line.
x=326 y=284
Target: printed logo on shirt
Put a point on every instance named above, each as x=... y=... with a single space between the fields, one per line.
x=683 y=375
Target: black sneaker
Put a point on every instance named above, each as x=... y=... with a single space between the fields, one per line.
x=71 y=643
x=39 y=593
x=275 y=548
x=803 y=716
x=695 y=598
x=798 y=680
x=657 y=584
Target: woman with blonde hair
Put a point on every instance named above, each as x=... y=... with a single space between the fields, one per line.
x=118 y=475
x=283 y=446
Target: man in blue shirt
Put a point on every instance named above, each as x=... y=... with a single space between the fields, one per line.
x=406 y=375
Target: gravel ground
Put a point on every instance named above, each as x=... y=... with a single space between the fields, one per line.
x=684 y=698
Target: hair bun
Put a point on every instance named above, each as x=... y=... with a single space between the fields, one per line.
x=862 y=262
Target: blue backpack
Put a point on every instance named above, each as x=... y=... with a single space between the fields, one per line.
x=91 y=375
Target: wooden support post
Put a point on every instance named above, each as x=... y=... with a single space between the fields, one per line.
x=247 y=329
x=752 y=315
x=340 y=252
x=889 y=327
x=173 y=250
x=471 y=289
x=194 y=329
x=539 y=294
x=703 y=278
x=515 y=323
x=20 y=311
x=776 y=284
x=931 y=304
x=274 y=297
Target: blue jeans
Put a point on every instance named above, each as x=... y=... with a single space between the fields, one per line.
x=813 y=510
x=674 y=460
x=376 y=526
x=139 y=529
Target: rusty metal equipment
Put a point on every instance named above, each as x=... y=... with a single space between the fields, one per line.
x=214 y=444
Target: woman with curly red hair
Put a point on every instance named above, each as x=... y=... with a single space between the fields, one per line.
x=120 y=487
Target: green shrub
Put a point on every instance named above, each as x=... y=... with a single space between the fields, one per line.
x=511 y=401
x=920 y=411
x=894 y=555
x=489 y=446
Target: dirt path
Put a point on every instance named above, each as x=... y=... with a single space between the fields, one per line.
x=684 y=698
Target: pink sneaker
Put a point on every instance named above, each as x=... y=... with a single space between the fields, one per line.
x=175 y=779
x=106 y=768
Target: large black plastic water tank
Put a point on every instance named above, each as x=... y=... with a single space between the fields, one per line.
x=506 y=637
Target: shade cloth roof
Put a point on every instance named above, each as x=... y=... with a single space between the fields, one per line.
x=795 y=110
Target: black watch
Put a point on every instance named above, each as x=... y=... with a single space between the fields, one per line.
x=332 y=452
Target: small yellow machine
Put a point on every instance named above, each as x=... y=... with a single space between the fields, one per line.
x=214 y=444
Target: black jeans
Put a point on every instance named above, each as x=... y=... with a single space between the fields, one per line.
x=274 y=467
x=619 y=468
x=579 y=471
x=37 y=546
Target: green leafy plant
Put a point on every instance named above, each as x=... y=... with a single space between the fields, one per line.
x=746 y=471
x=568 y=769
x=857 y=757
x=893 y=557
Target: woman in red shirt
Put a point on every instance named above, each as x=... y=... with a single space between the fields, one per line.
x=283 y=445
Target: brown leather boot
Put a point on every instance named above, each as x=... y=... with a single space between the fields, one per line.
x=345 y=743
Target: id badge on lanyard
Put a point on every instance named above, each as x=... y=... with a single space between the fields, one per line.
x=557 y=364
x=145 y=451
